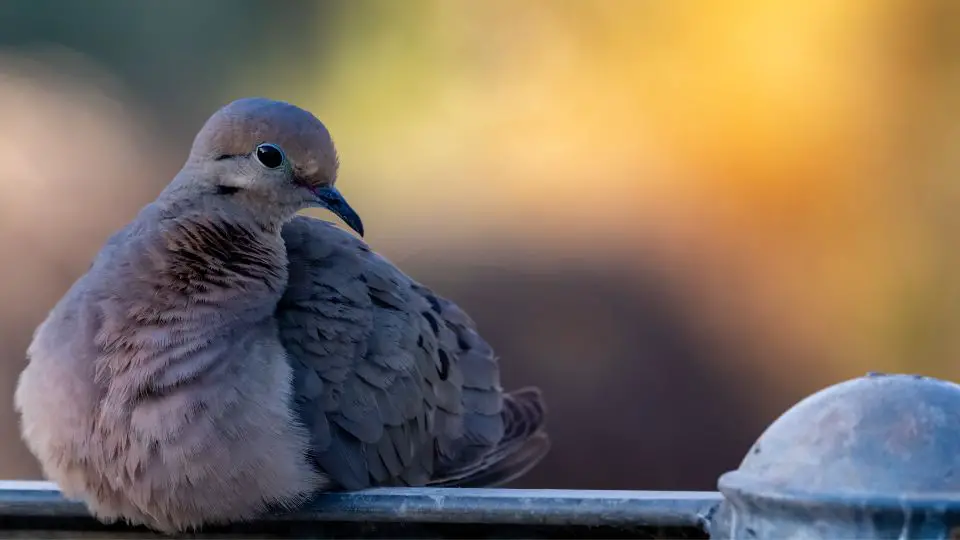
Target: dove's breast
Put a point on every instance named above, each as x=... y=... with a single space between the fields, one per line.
x=158 y=390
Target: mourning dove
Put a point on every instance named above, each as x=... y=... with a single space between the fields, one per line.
x=223 y=357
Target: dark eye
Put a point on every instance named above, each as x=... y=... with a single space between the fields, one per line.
x=269 y=156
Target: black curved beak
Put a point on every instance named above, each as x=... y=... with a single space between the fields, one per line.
x=328 y=197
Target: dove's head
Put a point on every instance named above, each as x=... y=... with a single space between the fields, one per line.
x=272 y=157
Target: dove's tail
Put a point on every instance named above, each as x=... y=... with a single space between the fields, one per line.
x=523 y=445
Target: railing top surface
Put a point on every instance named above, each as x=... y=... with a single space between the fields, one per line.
x=445 y=506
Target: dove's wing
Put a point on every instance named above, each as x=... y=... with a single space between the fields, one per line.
x=393 y=382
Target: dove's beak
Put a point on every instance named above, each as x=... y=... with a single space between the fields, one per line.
x=328 y=197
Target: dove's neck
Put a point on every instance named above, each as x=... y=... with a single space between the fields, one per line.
x=204 y=281
x=222 y=251
x=185 y=195
x=216 y=254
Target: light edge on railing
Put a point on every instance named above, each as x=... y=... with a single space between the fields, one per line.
x=554 y=507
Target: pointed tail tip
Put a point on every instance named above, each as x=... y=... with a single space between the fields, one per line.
x=524 y=413
x=524 y=444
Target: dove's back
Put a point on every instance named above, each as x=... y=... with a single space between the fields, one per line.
x=393 y=382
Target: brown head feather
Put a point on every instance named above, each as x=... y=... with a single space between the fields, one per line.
x=240 y=126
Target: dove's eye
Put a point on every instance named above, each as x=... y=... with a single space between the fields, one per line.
x=269 y=156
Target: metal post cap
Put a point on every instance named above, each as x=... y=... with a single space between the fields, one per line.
x=873 y=457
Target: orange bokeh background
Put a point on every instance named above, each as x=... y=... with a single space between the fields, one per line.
x=678 y=218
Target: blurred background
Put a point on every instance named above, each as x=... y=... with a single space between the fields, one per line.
x=676 y=217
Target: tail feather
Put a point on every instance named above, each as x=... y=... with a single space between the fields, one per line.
x=523 y=446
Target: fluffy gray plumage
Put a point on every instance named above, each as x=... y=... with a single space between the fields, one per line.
x=222 y=356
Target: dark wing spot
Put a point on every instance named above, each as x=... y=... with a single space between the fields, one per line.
x=380 y=303
x=434 y=324
x=444 y=364
x=227 y=190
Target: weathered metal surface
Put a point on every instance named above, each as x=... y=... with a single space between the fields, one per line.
x=37 y=510
x=874 y=457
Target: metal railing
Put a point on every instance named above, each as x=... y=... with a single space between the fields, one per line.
x=37 y=510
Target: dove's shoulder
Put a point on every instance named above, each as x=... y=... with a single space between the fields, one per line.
x=127 y=244
x=392 y=380
x=74 y=317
